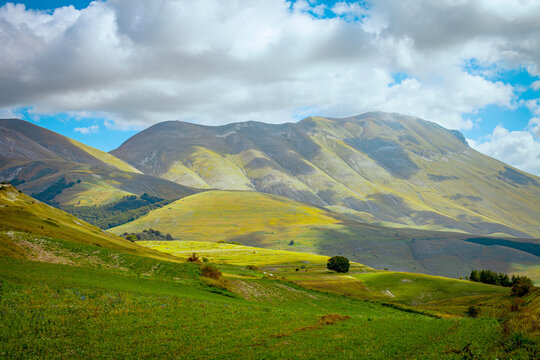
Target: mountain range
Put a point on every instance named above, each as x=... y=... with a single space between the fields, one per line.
x=380 y=168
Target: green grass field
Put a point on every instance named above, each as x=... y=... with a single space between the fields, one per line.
x=63 y=311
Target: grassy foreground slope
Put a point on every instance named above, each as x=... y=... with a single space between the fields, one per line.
x=270 y=221
x=73 y=294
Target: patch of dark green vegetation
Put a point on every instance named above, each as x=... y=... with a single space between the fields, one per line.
x=149 y=234
x=48 y=195
x=530 y=248
x=127 y=209
x=521 y=285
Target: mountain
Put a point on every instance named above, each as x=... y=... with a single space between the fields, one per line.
x=275 y=222
x=40 y=161
x=23 y=141
x=385 y=169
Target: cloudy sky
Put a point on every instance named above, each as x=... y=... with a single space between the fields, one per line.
x=99 y=71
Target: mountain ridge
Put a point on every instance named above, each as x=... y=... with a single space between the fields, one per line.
x=387 y=169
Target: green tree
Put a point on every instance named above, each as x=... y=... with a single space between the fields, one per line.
x=475 y=276
x=521 y=286
x=339 y=264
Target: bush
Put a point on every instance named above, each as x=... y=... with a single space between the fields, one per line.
x=521 y=286
x=339 y=264
x=210 y=271
x=194 y=258
x=472 y=312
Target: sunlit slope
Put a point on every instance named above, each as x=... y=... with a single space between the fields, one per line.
x=309 y=270
x=227 y=215
x=24 y=141
x=20 y=214
x=269 y=221
x=386 y=169
x=93 y=184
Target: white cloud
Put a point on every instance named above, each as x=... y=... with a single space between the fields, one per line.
x=517 y=148
x=139 y=62
x=536 y=85
x=93 y=129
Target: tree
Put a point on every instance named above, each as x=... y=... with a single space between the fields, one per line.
x=521 y=285
x=475 y=276
x=339 y=264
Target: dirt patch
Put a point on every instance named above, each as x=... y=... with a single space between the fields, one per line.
x=35 y=252
x=249 y=290
x=329 y=319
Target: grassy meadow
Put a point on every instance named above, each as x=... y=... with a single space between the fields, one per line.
x=126 y=306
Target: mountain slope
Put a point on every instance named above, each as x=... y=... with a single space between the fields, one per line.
x=21 y=216
x=24 y=141
x=386 y=169
x=39 y=160
x=275 y=222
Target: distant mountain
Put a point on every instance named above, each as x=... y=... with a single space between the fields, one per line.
x=385 y=169
x=23 y=141
x=64 y=171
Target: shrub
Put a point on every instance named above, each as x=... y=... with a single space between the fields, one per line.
x=339 y=264
x=521 y=286
x=210 y=271
x=194 y=258
x=472 y=312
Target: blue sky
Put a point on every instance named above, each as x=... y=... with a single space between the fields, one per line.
x=99 y=73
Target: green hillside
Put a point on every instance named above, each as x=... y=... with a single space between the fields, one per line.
x=68 y=289
x=23 y=220
x=385 y=169
x=274 y=222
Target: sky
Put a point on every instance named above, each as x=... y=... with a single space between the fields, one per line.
x=101 y=71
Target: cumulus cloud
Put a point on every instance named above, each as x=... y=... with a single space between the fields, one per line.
x=518 y=148
x=93 y=129
x=139 y=62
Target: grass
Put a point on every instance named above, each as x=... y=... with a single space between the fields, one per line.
x=418 y=289
x=61 y=311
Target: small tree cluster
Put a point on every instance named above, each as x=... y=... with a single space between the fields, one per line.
x=339 y=264
x=520 y=285
x=149 y=234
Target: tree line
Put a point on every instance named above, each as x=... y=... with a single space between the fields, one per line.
x=520 y=285
x=127 y=209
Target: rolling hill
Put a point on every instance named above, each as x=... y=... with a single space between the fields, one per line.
x=385 y=169
x=36 y=159
x=274 y=222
